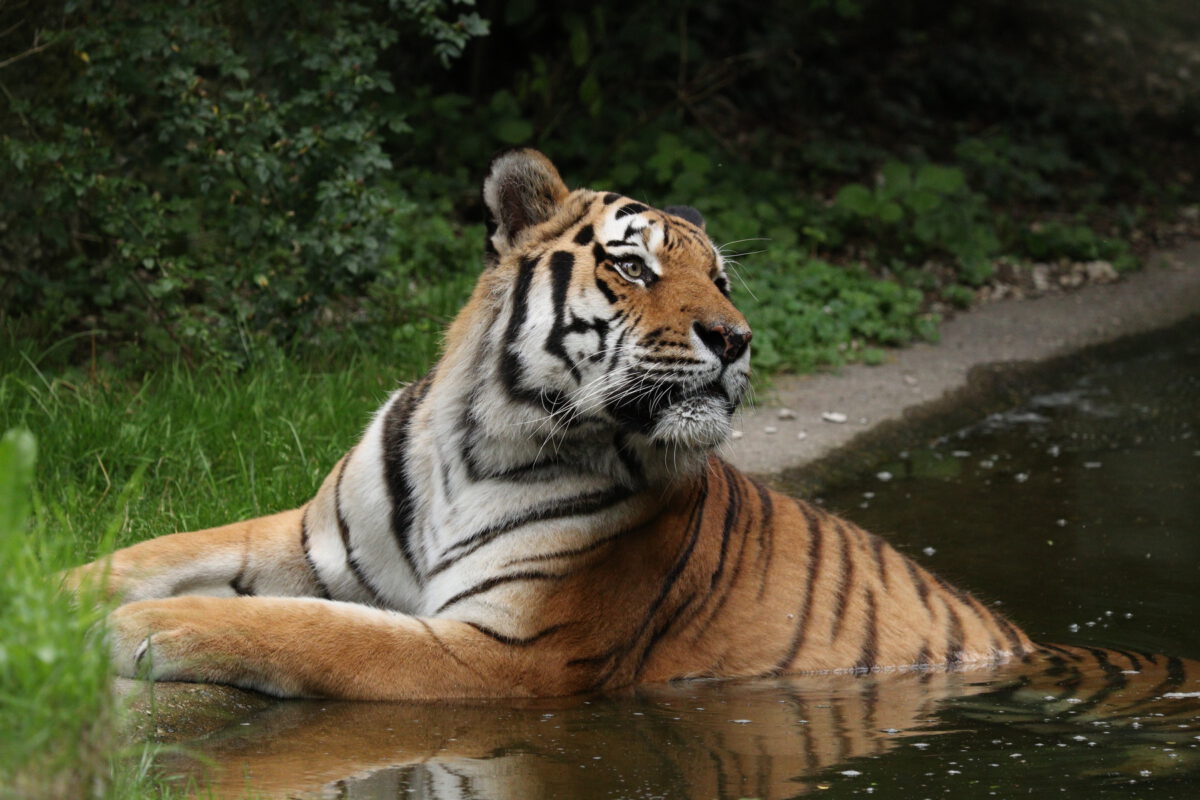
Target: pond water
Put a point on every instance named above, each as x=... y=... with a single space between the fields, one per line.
x=1079 y=510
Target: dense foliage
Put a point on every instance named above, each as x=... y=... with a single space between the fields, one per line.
x=213 y=179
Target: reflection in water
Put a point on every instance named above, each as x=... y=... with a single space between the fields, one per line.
x=1079 y=507
x=774 y=738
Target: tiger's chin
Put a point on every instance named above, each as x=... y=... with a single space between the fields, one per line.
x=700 y=423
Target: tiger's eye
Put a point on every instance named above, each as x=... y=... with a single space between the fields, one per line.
x=631 y=268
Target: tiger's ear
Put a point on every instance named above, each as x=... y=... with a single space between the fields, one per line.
x=687 y=212
x=522 y=189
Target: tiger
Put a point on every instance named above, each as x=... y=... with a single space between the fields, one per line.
x=545 y=513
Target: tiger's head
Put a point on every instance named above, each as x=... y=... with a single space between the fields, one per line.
x=608 y=312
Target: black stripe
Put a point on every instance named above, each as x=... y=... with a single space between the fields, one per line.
x=733 y=515
x=611 y=198
x=1061 y=650
x=238 y=583
x=630 y=208
x=239 y=587
x=396 y=427
x=584 y=235
x=516 y=641
x=766 y=536
x=562 y=264
x=344 y=531
x=579 y=505
x=733 y=506
x=573 y=551
x=922 y=660
x=608 y=293
x=845 y=581
x=877 y=552
x=1113 y=680
x=681 y=562
x=511 y=372
x=322 y=589
x=445 y=647
x=1134 y=663
x=660 y=631
x=493 y=582
x=914 y=573
x=814 y=561
x=866 y=660
x=954 y=635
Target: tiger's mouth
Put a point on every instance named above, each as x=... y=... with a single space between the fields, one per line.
x=689 y=416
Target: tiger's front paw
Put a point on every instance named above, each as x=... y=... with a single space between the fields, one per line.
x=172 y=639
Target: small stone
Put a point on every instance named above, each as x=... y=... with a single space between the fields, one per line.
x=911 y=380
x=770 y=429
x=833 y=416
x=929 y=551
x=736 y=435
x=786 y=413
x=884 y=476
x=1100 y=271
x=802 y=435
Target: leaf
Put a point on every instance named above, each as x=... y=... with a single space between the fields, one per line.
x=578 y=43
x=934 y=177
x=513 y=130
x=890 y=212
x=855 y=198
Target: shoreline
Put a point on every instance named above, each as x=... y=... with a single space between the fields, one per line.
x=979 y=357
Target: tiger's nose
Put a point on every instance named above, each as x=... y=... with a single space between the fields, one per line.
x=727 y=343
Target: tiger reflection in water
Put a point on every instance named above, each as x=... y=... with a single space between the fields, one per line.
x=768 y=739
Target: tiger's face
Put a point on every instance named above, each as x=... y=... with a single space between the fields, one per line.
x=618 y=314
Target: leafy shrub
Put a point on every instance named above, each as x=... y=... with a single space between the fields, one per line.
x=924 y=209
x=203 y=174
x=1051 y=240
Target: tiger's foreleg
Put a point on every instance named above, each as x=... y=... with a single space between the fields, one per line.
x=308 y=647
x=258 y=556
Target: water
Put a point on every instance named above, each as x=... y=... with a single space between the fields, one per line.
x=1078 y=511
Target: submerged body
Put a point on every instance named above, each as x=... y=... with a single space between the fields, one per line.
x=542 y=514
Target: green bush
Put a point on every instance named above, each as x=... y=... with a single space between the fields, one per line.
x=216 y=180
x=203 y=175
x=917 y=211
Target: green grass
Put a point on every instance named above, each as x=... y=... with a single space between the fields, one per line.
x=120 y=460
x=57 y=717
